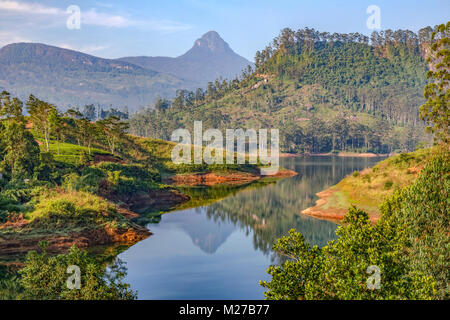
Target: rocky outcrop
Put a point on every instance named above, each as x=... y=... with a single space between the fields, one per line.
x=21 y=241
x=157 y=200
x=210 y=179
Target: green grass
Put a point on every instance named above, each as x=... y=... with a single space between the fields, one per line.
x=70 y=153
x=372 y=186
x=160 y=155
x=60 y=209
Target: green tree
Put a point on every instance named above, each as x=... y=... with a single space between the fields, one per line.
x=10 y=108
x=422 y=209
x=56 y=126
x=40 y=112
x=45 y=170
x=436 y=110
x=44 y=277
x=113 y=130
x=340 y=269
x=88 y=132
x=21 y=151
x=74 y=124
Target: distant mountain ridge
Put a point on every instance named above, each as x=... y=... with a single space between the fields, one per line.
x=209 y=58
x=70 y=78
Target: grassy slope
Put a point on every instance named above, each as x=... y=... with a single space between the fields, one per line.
x=140 y=169
x=70 y=153
x=159 y=154
x=369 y=188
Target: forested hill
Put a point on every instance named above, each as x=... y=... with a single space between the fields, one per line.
x=325 y=92
x=71 y=78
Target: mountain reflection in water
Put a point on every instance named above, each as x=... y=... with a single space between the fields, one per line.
x=220 y=250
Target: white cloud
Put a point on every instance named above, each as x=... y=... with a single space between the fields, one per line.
x=28 y=8
x=92 y=17
x=88 y=17
x=90 y=49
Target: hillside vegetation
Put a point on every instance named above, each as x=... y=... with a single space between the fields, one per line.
x=67 y=180
x=325 y=92
x=70 y=78
x=405 y=254
x=369 y=188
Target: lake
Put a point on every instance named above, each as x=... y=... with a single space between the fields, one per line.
x=222 y=249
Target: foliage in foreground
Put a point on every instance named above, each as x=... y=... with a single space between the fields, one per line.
x=45 y=278
x=435 y=111
x=409 y=245
x=423 y=210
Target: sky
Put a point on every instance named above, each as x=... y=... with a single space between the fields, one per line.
x=113 y=29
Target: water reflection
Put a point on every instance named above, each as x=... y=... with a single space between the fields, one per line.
x=222 y=249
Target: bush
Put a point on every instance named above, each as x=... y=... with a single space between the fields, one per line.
x=423 y=209
x=388 y=184
x=339 y=270
x=45 y=277
x=355 y=174
x=3 y=216
x=409 y=245
x=73 y=209
x=366 y=178
x=126 y=179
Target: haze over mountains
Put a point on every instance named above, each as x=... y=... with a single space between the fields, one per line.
x=71 y=78
x=210 y=58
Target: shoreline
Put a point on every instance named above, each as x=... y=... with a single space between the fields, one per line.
x=323 y=210
x=340 y=154
x=23 y=237
x=368 y=189
x=233 y=178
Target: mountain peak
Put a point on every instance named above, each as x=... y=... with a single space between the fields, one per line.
x=212 y=41
x=209 y=59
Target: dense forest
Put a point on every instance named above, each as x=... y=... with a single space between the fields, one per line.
x=325 y=92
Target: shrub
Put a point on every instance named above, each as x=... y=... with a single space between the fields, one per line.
x=388 y=184
x=73 y=209
x=88 y=182
x=366 y=178
x=409 y=244
x=339 y=270
x=355 y=174
x=423 y=209
x=44 y=277
x=3 y=216
x=126 y=179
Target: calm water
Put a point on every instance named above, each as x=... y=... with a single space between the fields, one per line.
x=222 y=250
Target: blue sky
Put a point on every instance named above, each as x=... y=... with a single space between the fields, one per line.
x=114 y=29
